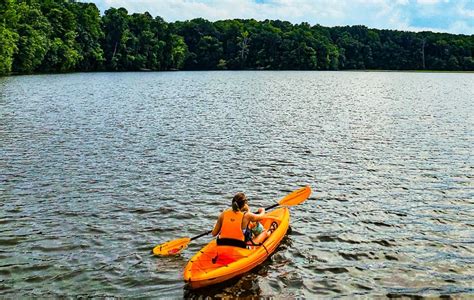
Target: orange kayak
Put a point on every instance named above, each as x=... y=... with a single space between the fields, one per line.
x=214 y=264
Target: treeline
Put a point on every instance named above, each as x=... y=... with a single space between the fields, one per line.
x=66 y=36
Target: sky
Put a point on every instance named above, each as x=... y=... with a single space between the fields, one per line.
x=453 y=16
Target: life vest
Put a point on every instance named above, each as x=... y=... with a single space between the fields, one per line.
x=232 y=225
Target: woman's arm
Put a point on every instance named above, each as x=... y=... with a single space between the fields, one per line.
x=217 y=227
x=258 y=216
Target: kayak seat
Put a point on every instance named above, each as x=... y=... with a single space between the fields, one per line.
x=231 y=242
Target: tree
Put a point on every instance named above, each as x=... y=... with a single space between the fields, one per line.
x=209 y=51
x=115 y=27
x=179 y=51
x=63 y=54
x=34 y=38
x=202 y=39
x=244 y=41
x=68 y=35
x=8 y=36
x=89 y=35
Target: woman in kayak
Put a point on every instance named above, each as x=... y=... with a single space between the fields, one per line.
x=232 y=226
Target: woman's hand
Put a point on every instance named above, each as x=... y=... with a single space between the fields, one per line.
x=258 y=216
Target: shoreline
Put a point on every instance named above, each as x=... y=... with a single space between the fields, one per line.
x=244 y=70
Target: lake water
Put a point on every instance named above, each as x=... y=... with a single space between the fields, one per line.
x=96 y=169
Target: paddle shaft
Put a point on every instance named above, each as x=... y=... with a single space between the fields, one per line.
x=273 y=206
x=201 y=235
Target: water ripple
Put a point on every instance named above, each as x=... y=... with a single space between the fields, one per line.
x=96 y=169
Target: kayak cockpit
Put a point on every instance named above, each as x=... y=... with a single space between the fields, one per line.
x=217 y=256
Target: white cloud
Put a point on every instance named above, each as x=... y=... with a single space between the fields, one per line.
x=383 y=14
x=464 y=11
x=403 y=2
x=322 y=11
x=461 y=26
x=428 y=2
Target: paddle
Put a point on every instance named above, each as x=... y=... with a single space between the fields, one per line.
x=176 y=246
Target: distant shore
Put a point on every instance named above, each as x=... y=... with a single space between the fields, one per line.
x=244 y=70
x=71 y=36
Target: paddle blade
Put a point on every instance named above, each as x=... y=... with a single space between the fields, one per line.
x=296 y=197
x=171 y=248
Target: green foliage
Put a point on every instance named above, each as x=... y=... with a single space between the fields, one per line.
x=66 y=36
x=179 y=52
x=8 y=36
x=89 y=35
x=204 y=46
x=117 y=34
x=8 y=47
x=34 y=40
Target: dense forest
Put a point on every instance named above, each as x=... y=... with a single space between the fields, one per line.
x=66 y=36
